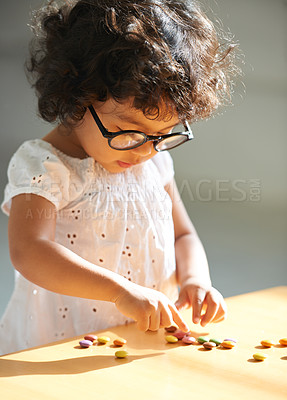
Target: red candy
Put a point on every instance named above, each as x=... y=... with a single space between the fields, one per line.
x=92 y=338
x=171 y=329
x=180 y=334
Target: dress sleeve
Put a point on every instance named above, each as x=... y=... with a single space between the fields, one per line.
x=164 y=164
x=36 y=169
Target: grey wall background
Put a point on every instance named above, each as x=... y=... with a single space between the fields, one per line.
x=233 y=176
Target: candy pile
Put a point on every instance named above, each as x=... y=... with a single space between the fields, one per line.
x=176 y=334
x=92 y=340
x=186 y=338
x=173 y=335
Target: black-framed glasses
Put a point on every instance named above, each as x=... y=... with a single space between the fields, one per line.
x=130 y=139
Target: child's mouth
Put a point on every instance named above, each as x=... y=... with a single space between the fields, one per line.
x=124 y=164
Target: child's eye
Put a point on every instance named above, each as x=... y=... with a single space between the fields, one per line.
x=124 y=128
x=165 y=133
x=114 y=128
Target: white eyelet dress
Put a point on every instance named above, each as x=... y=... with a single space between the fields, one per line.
x=119 y=221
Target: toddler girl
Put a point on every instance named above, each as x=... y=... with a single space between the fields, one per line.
x=98 y=233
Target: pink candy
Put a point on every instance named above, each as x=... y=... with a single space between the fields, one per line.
x=189 y=340
x=180 y=334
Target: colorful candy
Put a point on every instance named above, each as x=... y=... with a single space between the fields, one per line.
x=217 y=342
x=267 y=343
x=171 y=339
x=202 y=339
x=179 y=334
x=121 y=354
x=228 y=344
x=85 y=343
x=230 y=340
x=171 y=329
x=120 y=342
x=209 y=345
x=103 y=339
x=92 y=338
x=259 y=356
x=189 y=340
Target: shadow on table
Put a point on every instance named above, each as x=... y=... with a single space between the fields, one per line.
x=79 y=365
x=153 y=341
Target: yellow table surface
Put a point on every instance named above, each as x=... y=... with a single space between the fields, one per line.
x=155 y=369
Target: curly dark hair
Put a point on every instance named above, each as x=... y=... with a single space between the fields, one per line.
x=154 y=51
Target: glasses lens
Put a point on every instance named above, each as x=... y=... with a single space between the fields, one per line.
x=169 y=143
x=127 y=141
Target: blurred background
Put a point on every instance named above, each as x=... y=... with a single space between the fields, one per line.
x=232 y=176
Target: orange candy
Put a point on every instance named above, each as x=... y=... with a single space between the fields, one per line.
x=228 y=344
x=267 y=343
x=120 y=342
x=283 y=342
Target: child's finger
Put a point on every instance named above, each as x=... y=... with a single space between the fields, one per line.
x=197 y=304
x=177 y=318
x=221 y=314
x=143 y=323
x=210 y=313
x=154 y=321
x=215 y=321
x=182 y=301
x=166 y=318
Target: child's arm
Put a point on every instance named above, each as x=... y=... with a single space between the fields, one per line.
x=196 y=290
x=36 y=255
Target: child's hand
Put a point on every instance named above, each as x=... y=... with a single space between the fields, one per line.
x=207 y=303
x=151 y=309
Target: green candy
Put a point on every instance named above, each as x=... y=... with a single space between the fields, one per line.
x=217 y=342
x=202 y=339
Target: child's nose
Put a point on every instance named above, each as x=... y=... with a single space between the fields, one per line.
x=144 y=150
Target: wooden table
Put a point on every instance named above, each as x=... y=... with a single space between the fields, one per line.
x=157 y=370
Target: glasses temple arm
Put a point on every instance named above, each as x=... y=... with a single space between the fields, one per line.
x=97 y=119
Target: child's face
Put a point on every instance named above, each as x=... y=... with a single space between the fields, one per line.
x=117 y=117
